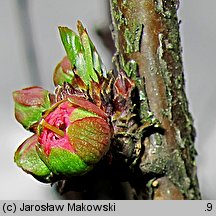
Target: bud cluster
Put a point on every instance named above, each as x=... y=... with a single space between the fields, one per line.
x=71 y=133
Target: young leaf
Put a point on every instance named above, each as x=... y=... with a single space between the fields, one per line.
x=71 y=42
x=81 y=69
x=81 y=52
x=87 y=52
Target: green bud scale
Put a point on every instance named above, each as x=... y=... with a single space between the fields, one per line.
x=30 y=103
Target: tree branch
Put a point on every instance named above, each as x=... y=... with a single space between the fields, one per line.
x=146 y=35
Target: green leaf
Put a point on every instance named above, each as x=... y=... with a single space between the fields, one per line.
x=87 y=52
x=97 y=62
x=71 y=42
x=82 y=54
x=81 y=69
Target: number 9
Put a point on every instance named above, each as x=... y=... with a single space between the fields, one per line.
x=209 y=206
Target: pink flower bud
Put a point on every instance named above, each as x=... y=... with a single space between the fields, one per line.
x=74 y=135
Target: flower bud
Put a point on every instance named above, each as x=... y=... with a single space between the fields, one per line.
x=73 y=136
x=63 y=72
x=30 y=103
x=27 y=158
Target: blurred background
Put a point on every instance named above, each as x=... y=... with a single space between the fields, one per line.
x=30 y=48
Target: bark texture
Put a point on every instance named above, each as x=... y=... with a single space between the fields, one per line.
x=146 y=35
